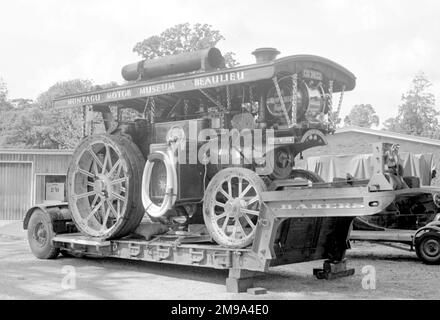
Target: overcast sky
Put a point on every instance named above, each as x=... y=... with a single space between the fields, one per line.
x=384 y=42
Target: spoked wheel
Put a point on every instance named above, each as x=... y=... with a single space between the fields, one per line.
x=232 y=206
x=104 y=186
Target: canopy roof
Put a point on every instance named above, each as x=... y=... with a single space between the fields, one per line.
x=205 y=80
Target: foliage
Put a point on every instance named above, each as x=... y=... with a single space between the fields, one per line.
x=362 y=115
x=39 y=125
x=182 y=38
x=4 y=103
x=417 y=114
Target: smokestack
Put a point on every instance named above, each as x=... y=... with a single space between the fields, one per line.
x=263 y=55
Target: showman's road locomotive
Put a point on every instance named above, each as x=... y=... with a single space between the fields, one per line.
x=213 y=147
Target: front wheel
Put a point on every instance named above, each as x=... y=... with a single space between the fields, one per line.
x=428 y=247
x=40 y=233
x=232 y=206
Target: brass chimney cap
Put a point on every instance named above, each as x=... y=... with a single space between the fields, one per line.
x=266 y=54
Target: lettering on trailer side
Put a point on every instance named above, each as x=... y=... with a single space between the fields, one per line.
x=312 y=206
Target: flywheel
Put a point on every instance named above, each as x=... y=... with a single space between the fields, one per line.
x=231 y=206
x=104 y=186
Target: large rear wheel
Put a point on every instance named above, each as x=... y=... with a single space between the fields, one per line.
x=104 y=186
x=232 y=206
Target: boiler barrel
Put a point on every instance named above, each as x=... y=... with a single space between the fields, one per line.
x=207 y=59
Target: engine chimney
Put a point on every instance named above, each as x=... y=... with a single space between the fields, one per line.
x=263 y=55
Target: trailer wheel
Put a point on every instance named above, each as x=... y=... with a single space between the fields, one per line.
x=428 y=247
x=104 y=186
x=232 y=205
x=40 y=233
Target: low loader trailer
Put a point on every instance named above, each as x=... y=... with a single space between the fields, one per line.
x=296 y=224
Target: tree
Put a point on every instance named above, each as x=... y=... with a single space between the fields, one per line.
x=362 y=115
x=39 y=125
x=4 y=103
x=417 y=114
x=63 y=88
x=182 y=38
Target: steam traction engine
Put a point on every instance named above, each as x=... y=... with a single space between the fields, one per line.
x=171 y=155
x=108 y=176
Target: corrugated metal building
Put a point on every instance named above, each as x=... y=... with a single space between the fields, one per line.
x=30 y=176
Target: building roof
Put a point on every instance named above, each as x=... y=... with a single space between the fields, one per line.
x=389 y=134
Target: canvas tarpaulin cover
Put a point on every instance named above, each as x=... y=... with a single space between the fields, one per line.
x=360 y=166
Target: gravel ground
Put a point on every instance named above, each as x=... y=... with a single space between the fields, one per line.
x=399 y=275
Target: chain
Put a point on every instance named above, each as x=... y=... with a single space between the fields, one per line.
x=152 y=111
x=251 y=95
x=341 y=97
x=283 y=106
x=146 y=108
x=294 y=97
x=330 y=102
x=228 y=98
x=185 y=107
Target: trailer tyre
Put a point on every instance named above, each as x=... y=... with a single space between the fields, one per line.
x=428 y=247
x=40 y=233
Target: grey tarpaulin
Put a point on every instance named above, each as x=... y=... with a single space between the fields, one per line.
x=361 y=166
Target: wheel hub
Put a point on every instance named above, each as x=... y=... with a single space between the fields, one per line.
x=40 y=234
x=103 y=186
x=234 y=207
x=432 y=248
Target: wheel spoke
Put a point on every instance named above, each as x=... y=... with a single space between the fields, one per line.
x=116 y=214
x=104 y=164
x=83 y=195
x=234 y=229
x=254 y=199
x=109 y=155
x=118 y=196
x=217 y=217
x=230 y=188
x=225 y=223
x=86 y=173
x=219 y=204
x=223 y=192
x=251 y=212
x=94 y=201
x=249 y=221
x=120 y=180
x=240 y=186
x=114 y=167
x=246 y=190
x=104 y=222
x=94 y=156
x=241 y=227
x=95 y=209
